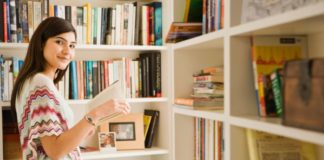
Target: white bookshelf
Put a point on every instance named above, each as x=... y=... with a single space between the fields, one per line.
x=162 y=141
x=231 y=47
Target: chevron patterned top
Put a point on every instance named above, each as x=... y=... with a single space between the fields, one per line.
x=42 y=111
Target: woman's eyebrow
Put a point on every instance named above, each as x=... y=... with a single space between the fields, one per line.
x=64 y=39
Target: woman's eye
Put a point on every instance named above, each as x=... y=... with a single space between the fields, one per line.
x=72 y=46
x=59 y=42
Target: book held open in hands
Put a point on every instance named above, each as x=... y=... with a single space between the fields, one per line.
x=114 y=91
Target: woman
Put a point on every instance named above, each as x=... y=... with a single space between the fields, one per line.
x=44 y=117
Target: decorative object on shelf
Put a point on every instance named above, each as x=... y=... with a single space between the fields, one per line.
x=129 y=131
x=254 y=10
x=180 y=31
x=303 y=94
x=107 y=141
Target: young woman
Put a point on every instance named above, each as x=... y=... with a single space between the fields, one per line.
x=44 y=117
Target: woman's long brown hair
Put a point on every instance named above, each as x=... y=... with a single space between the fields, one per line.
x=34 y=61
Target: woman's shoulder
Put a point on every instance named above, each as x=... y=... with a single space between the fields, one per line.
x=40 y=80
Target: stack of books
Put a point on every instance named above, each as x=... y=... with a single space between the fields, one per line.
x=207 y=90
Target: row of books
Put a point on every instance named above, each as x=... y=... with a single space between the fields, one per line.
x=19 y=18
x=9 y=69
x=209 y=12
x=208 y=139
x=125 y=24
x=207 y=90
x=269 y=54
x=140 y=77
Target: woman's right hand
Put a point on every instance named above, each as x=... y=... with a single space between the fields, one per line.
x=109 y=107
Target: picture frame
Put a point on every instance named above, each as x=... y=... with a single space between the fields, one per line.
x=128 y=129
x=107 y=141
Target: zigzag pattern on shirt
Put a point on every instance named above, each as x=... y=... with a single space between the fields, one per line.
x=38 y=92
x=43 y=127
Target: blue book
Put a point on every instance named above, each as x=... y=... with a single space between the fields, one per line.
x=157 y=22
x=74 y=80
x=8 y=21
x=1 y=77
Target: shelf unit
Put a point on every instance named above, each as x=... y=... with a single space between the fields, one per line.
x=231 y=47
x=162 y=142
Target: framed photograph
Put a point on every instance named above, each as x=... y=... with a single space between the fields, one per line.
x=107 y=141
x=125 y=131
x=128 y=129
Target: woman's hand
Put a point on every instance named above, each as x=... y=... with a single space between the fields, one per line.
x=108 y=108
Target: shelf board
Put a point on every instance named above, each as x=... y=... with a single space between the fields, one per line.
x=274 y=126
x=217 y=115
x=93 y=47
x=122 y=154
x=130 y=100
x=84 y=101
x=297 y=22
x=211 y=40
x=121 y=47
x=4 y=104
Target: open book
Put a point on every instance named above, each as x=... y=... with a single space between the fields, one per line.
x=114 y=91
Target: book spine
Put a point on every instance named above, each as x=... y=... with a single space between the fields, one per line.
x=1 y=22
x=277 y=91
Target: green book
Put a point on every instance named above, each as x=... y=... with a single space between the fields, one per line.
x=276 y=81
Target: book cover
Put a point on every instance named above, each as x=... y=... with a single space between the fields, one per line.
x=155 y=114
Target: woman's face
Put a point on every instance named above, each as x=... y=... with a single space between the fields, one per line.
x=59 y=51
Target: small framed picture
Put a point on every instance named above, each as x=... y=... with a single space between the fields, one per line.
x=107 y=141
x=128 y=129
x=125 y=131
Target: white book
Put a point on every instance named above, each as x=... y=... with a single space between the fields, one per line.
x=133 y=25
x=84 y=27
x=114 y=91
x=74 y=16
x=113 y=27
x=118 y=24
x=111 y=72
x=145 y=26
x=30 y=19
x=130 y=23
x=99 y=10
x=61 y=11
x=10 y=84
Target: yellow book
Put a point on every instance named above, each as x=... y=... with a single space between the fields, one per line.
x=88 y=33
x=186 y=11
x=147 y=121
